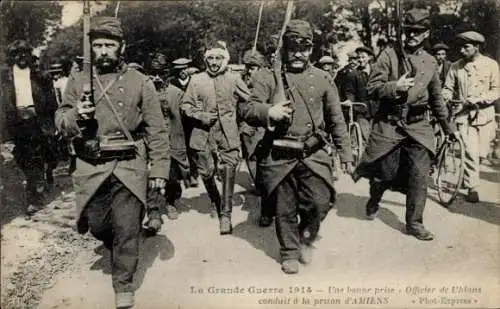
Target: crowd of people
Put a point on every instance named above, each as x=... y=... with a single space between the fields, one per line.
x=138 y=137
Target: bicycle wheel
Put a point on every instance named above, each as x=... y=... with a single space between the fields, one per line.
x=450 y=171
x=356 y=142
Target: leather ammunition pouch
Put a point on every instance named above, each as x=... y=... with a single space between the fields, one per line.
x=402 y=114
x=105 y=148
x=298 y=146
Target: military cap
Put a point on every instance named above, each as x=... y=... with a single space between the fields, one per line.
x=352 y=55
x=471 y=37
x=79 y=59
x=55 y=67
x=300 y=29
x=417 y=19
x=19 y=45
x=440 y=46
x=365 y=49
x=326 y=60
x=252 y=57
x=181 y=63
x=106 y=26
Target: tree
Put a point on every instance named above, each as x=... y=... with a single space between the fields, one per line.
x=28 y=20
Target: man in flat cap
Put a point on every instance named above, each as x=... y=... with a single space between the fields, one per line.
x=474 y=80
x=250 y=135
x=210 y=102
x=295 y=169
x=327 y=64
x=180 y=131
x=27 y=120
x=355 y=89
x=401 y=144
x=440 y=50
x=111 y=176
x=341 y=77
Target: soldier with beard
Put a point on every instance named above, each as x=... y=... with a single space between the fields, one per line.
x=210 y=102
x=294 y=166
x=111 y=185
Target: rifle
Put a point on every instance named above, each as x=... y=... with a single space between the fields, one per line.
x=279 y=93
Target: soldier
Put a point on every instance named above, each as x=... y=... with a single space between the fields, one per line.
x=111 y=183
x=355 y=88
x=326 y=63
x=250 y=136
x=440 y=50
x=294 y=167
x=475 y=80
x=171 y=98
x=210 y=102
x=399 y=150
x=28 y=107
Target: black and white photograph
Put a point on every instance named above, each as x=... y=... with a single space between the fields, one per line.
x=260 y=154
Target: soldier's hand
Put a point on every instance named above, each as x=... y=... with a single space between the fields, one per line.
x=85 y=109
x=280 y=111
x=404 y=83
x=347 y=168
x=208 y=119
x=158 y=183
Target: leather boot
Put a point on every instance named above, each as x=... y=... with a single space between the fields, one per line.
x=229 y=174
x=377 y=189
x=214 y=196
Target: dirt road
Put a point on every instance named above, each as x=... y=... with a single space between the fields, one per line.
x=357 y=263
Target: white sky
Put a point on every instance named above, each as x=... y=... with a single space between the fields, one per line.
x=72 y=11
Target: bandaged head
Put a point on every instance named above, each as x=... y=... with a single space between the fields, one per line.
x=216 y=57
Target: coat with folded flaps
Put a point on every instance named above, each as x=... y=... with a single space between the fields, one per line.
x=134 y=97
x=321 y=96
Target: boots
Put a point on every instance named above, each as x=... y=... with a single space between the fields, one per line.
x=229 y=174
x=377 y=189
x=213 y=195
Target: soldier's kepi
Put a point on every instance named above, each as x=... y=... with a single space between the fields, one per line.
x=399 y=150
x=111 y=190
x=295 y=170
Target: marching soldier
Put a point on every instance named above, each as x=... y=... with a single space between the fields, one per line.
x=210 y=102
x=294 y=166
x=475 y=80
x=113 y=138
x=28 y=107
x=399 y=150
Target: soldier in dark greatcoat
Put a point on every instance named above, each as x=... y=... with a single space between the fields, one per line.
x=294 y=167
x=401 y=144
x=111 y=183
x=28 y=104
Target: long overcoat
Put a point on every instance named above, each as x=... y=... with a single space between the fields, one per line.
x=134 y=97
x=316 y=89
x=424 y=95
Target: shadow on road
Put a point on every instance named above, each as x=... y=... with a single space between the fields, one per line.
x=490 y=176
x=351 y=206
x=13 y=196
x=261 y=238
x=150 y=249
x=485 y=211
x=390 y=219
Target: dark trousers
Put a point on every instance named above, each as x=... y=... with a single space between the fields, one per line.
x=115 y=215
x=301 y=193
x=411 y=162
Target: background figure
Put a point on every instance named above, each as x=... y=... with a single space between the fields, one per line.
x=341 y=78
x=297 y=182
x=210 y=102
x=327 y=64
x=355 y=89
x=475 y=81
x=440 y=52
x=399 y=150
x=28 y=106
x=110 y=185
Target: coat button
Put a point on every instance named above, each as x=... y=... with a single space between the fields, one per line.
x=311 y=99
x=121 y=89
x=119 y=133
x=309 y=125
x=120 y=104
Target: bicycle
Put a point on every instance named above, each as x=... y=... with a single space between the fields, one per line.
x=450 y=160
x=354 y=129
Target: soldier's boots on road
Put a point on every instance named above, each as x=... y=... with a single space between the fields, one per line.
x=290 y=266
x=172 y=213
x=229 y=175
x=472 y=196
x=306 y=254
x=372 y=207
x=214 y=196
x=124 y=300
x=265 y=221
x=419 y=232
x=154 y=223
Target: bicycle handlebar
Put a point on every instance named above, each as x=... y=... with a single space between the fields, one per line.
x=349 y=103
